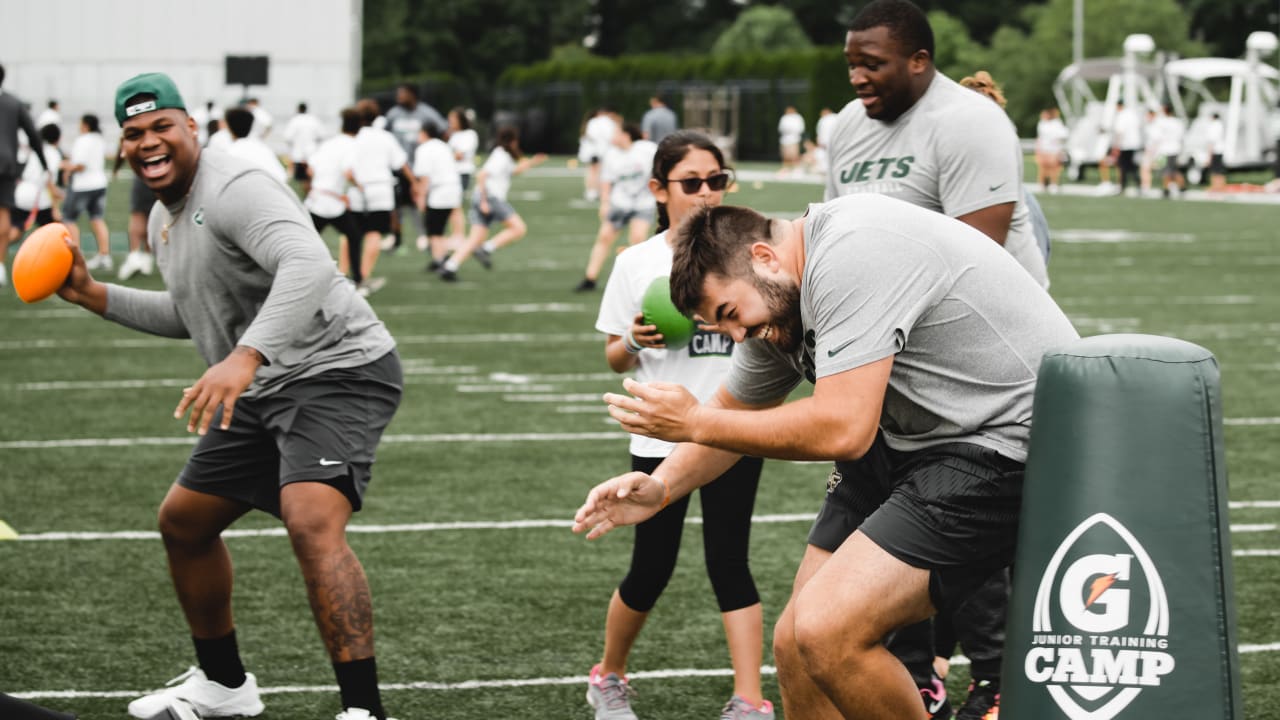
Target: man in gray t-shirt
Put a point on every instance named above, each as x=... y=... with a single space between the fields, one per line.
x=915 y=134
x=923 y=341
x=659 y=121
x=405 y=120
x=302 y=380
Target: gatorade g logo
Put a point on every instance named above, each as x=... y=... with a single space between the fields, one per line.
x=1101 y=623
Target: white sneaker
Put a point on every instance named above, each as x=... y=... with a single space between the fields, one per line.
x=210 y=699
x=4 y=276
x=101 y=261
x=148 y=262
x=388 y=243
x=355 y=714
x=131 y=266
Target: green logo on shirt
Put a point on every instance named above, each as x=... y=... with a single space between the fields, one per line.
x=868 y=170
x=198 y=217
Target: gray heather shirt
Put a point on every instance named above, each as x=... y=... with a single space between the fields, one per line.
x=954 y=152
x=244 y=265
x=966 y=325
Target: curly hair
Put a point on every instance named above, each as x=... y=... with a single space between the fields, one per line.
x=982 y=82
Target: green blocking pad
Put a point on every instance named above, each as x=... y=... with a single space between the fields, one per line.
x=1122 y=589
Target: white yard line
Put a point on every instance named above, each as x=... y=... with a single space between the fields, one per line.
x=672 y=674
x=535 y=524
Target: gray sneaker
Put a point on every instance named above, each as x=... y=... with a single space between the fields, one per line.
x=484 y=257
x=739 y=709
x=610 y=695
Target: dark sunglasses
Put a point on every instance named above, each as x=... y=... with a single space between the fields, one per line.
x=715 y=183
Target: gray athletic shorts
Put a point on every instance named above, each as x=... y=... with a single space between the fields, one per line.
x=619 y=218
x=93 y=202
x=322 y=429
x=951 y=509
x=499 y=211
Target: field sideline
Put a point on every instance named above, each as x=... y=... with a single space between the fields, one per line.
x=487 y=606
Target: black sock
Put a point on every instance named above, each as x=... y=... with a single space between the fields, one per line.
x=358 y=685
x=220 y=660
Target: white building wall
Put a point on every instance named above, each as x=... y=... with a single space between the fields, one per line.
x=78 y=51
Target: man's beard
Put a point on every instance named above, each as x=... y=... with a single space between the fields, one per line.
x=783 y=301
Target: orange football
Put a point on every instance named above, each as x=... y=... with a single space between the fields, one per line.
x=42 y=263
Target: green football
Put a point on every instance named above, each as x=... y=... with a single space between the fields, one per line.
x=658 y=310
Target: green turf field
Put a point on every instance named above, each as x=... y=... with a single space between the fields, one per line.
x=479 y=616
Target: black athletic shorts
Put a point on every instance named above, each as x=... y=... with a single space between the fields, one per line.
x=435 y=220
x=323 y=428
x=404 y=190
x=951 y=509
x=300 y=172
x=19 y=217
x=346 y=225
x=1216 y=164
x=375 y=221
x=140 y=197
x=7 y=186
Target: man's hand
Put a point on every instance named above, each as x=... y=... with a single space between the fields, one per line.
x=661 y=410
x=220 y=385
x=624 y=500
x=80 y=288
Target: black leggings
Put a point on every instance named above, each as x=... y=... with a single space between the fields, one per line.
x=727 y=503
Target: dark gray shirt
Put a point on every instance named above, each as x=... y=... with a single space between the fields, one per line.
x=658 y=123
x=243 y=265
x=12 y=118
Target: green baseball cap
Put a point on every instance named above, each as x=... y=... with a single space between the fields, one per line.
x=157 y=85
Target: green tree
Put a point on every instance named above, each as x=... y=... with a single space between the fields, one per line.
x=1026 y=63
x=762 y=28
x=955 y=53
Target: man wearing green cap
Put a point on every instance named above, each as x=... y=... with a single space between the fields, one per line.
x=302 y=380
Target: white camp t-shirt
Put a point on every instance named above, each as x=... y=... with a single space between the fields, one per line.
x=1216 y=136
x=966 y=327
x=1171 y=131
x=701 y=366
x=1051 y=135
x=32 y=189
x=261 y=122
x=497 y=169
x=377 y=156
x=89 y=150
x=627 y=172
x=302 y=132
x=600 y=131
x=255 y=151
x=434 y=161
x=1127 y=129
x=465 y=143
x=954 y=152
x=329 y=165
x=791 y=129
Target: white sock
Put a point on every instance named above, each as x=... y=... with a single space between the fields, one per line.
x=451 y=265
x=488 y=246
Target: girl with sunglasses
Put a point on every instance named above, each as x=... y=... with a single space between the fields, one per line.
x=688 y=172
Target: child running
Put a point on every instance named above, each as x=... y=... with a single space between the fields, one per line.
x=489 y=204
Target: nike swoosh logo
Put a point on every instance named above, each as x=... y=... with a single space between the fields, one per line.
x=935 y=705
x=327 y=463
x=994 y=188
x=836 y=350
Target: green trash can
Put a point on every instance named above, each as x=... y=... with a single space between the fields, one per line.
x=1122 y=588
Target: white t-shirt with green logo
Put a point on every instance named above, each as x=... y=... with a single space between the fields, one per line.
x=965 y=325
x=954 y=152
x=700 y=366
